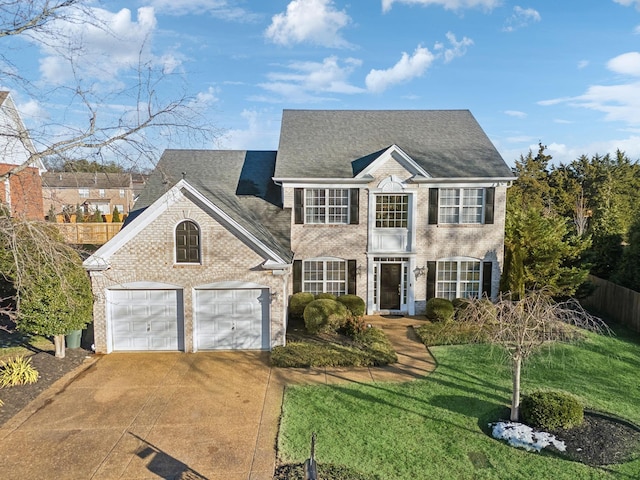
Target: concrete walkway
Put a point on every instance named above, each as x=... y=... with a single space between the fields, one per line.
x=210 y=415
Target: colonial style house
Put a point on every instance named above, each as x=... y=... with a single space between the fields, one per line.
x=21 y=190
x=102 y=192
x=393 y=206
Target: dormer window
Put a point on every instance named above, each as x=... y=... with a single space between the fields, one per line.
x=187 y=242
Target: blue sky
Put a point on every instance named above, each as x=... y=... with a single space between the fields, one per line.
x=563 y=73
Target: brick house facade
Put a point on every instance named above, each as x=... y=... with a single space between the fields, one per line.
x=394 y=206
x=21 y=191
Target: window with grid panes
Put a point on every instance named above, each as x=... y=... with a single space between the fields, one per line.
x=327 y=205
x=458 y=279
x=324 y=276
x=461 y=205
x=392 y=211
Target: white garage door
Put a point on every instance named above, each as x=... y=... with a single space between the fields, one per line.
x=232 y=319
x=146 y=320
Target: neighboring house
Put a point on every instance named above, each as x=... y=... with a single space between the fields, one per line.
x=65 y=191
x=393 y=206
x=21 y=192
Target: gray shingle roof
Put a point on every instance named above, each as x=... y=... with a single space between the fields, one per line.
x=86 y=180
x=340 y=143
x=237 y=181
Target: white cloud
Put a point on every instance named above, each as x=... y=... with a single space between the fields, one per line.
x=447 y=4
x=626 y=64
x=217 y=8
x=407 y=68
x=101 y=52
x=261 y=133
x=520 y=18
x=457 y=49
x=636 y=30
x=583 y=64
x=307 y=81
x=515 y=113
x=313 y=21
x=628 y=3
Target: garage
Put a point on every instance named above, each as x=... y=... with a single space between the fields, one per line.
x=232 y=319
x=146 y=320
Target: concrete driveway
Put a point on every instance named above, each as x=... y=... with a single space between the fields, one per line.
x=147 y=416
x=208 y=415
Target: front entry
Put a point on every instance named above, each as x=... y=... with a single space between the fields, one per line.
x=390 y=285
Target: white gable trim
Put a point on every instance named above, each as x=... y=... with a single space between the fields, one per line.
x=100 y=259
x=396 y=153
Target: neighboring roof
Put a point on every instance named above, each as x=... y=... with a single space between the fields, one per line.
x=15 y=143
x=236 y=181
x=341 y=143
x=86 y=180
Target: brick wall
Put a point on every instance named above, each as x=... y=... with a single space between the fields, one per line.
x=26 y=192
x=149 y=257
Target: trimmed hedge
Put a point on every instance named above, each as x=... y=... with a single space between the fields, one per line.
x=354 y=303
x=326 y=296
x=298 y=302
x=324 y=315
x=439 y=310
x=550 y=410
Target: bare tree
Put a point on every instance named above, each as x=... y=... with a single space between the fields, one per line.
x=123 y=111
x=522 y=326
x=581 y=214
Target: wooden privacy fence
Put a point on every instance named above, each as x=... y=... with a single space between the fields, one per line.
x=618 y=303
x=88 y=233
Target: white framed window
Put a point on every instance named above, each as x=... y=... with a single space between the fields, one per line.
x=83 y=192
x=461 y=205
x=392 y=211
x=324 y=276
x=121 y=193
x=458 y=278
x=101 y=192
x=326 y=205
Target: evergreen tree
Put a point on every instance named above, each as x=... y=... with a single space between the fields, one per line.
x=116 y=215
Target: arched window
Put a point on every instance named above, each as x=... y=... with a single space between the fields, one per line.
x=187 y=242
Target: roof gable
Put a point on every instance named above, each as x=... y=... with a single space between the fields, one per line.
x=396 y=154
x=341 y=143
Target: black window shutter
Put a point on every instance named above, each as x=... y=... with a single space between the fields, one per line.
x=489 y=199
x=433 y=206
x=431 y=280
x=354 y=206
x=351 y=272
x=297 y=276
x=298 y=206
x=487 y=270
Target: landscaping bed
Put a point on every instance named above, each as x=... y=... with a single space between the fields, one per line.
x=50 y=368
x=332 y=349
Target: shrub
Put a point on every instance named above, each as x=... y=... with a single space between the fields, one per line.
x=459 y=304
x=17 y=371
x=439 y=309
x=326 y=296
x=354 y=326
x=354 y=303
x=452 y=333
x=298 y=303
x=324 y=315
x=551 y=410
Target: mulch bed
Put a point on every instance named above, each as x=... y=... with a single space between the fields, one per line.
x=50 y=369
x=601 y=440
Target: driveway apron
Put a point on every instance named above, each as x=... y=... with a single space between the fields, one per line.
x=149 y=416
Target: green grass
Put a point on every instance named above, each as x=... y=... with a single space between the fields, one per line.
x=13 y=344
x=434 y=427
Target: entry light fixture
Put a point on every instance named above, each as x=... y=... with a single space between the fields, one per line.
x=359 y=270
x=419 y=271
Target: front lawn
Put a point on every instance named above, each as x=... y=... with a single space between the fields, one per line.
x=436 y=427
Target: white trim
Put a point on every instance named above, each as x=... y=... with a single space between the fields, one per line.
x=399 y=156
x=100 y=259
x=230 y=285
x=322 y=182
x=485 y=181
x=145 y=286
